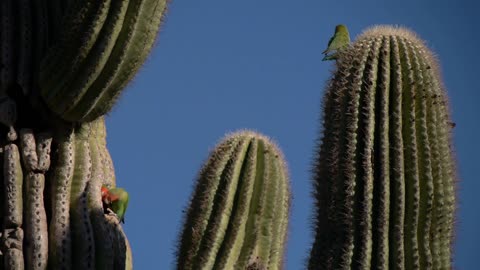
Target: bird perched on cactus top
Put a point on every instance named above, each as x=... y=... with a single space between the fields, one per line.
x=115 y=200
x=340 y=40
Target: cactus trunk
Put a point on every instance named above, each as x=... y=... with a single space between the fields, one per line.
x=238 y=215
x=61 y=224
x=384 y=176
x=62 y=66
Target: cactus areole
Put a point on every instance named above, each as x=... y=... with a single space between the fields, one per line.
x=384 y=175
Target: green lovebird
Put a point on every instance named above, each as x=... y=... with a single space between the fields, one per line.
x=116 y=199
x=340 y=40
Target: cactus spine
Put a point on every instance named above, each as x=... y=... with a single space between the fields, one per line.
x=384 y=175
x=238 y=214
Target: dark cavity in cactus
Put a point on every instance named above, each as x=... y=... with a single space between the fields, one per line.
x=238 y=215
x=384 y=171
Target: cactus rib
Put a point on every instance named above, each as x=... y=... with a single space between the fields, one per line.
x=12 y=235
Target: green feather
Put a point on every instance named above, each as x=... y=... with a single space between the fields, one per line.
x=119 y=198
x=340 y=40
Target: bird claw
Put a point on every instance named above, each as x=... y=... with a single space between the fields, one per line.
x=111 y=213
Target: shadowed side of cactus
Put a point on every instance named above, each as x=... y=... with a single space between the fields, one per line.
x=27 y=29
x=81 y=235
x=238 y=214
x=103 y=44
x=385 y=174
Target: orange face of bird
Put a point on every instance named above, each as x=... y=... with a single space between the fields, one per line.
x=104 y=191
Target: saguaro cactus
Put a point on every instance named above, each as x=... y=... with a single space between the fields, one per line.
x=384 y=175
x=62 y=66
x=238 y=214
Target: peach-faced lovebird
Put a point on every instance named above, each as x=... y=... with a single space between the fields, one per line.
x=340 y=40
x=116 y=199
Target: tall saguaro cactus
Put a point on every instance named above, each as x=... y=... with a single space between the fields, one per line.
x=238 y=214
x=62 y=66
x=384 y=175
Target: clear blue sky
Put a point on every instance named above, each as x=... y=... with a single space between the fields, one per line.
x=219 y=66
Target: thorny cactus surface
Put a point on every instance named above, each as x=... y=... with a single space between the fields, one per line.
x=385 y=176
x=62 y=66
x=238 y=215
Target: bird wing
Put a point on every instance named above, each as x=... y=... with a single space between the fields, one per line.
x=328 y=46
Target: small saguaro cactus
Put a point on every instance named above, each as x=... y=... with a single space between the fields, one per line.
x=238 y=215
x=384 y=173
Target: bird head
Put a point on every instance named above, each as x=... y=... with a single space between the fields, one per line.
x=341 y=28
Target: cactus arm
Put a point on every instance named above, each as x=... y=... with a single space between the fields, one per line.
x=60 y=247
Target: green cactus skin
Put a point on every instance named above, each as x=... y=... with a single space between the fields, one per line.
x=104 y=44
x=238 y=215
x=100 y=173
x=83 y=239
x=385 y=174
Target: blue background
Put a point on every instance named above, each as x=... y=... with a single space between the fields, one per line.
x=219 y=66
